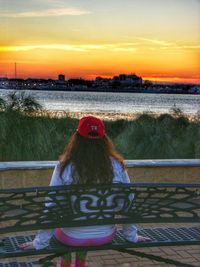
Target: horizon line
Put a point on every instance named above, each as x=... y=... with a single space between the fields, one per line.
x=153 y=79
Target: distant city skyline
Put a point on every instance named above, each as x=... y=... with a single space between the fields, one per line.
x=156 y=39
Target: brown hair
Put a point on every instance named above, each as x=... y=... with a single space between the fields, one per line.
x=90 y=158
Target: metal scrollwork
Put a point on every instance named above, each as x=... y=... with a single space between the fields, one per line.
x=76 y=205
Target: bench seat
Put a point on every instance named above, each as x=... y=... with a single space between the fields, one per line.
x=159 y=237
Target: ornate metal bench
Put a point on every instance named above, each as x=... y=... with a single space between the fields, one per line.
x=29 y=209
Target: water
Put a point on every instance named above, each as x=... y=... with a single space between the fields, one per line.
x=113 y=102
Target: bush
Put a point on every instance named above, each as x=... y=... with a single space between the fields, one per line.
x=20 y=102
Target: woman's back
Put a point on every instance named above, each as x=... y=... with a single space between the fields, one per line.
x=119 y=176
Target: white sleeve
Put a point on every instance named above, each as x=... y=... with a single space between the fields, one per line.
x=130 y=232
x=121 y=176
x=43 y=237
x=56 y=179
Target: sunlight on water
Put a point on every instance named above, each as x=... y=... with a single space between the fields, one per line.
x=114 y=102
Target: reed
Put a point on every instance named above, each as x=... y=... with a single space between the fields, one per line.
x=162 y=137
x=29 y=137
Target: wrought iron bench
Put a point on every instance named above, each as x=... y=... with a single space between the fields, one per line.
x=36 y=208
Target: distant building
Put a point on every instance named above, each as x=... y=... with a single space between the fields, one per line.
x=126 y=80
x=4 y=83
x=61 y=77
x=101 y=82
x=195 y=89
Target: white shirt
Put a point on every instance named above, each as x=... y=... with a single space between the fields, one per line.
x=130 y=231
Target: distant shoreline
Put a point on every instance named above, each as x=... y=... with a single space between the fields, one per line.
x=106 y=91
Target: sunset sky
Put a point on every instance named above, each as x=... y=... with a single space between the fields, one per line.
x=156 y=39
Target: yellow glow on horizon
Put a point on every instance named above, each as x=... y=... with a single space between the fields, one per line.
x=157 y=60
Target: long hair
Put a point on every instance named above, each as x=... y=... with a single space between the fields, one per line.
x=91 y=159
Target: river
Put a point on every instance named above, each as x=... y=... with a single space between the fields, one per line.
x=113 y=102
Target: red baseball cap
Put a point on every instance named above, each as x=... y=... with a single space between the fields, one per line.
x=91 y=127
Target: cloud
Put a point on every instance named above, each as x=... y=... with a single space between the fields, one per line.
x=187 y=47
x=66 y=47
x=111 y=47
x=46 y=13
x=154 y=41
x=115 y=47
x=167 y=46
x=125 y=49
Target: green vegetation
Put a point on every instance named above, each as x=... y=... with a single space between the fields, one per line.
x=25 y=136
x=163 y=137
x=19 y=102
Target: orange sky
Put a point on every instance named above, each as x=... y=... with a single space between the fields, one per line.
x=156 y=39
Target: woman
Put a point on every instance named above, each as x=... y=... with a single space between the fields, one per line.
x=89 y=158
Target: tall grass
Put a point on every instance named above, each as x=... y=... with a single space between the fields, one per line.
x=28 y=137
x=163 y=137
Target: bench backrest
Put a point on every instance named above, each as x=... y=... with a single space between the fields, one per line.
x=81 y=205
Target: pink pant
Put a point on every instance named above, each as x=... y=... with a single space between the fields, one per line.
x=80 y=260
x=67 y=240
